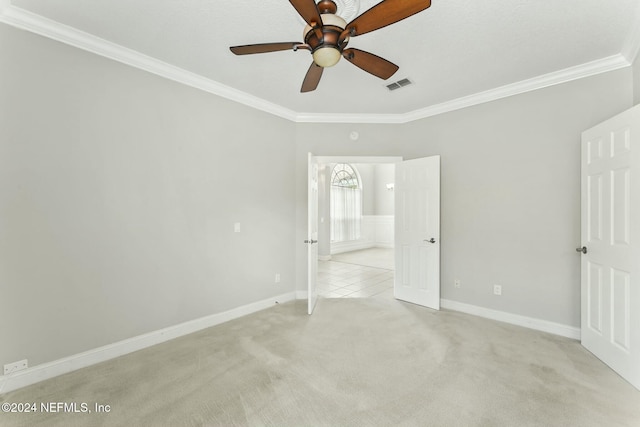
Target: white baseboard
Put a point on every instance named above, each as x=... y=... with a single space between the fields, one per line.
x=514 y=319
x=81 y=360
x=354 y=245
x=384 y=245
x=324 y=257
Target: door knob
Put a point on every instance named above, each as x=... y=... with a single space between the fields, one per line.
x=432 y=240
x=311 y=242
x=582 y=249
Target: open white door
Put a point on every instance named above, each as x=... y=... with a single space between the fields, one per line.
x=417 y=231
x=610 y=233
x=312 y=233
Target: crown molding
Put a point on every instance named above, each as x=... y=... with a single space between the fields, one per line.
x=588 y=69
x=611 y=63
x=350 y=118
x=37 y=24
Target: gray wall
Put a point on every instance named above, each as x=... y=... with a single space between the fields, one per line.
x=367 y=176
x=118 y=194
x=384 y=174
x=510 y=189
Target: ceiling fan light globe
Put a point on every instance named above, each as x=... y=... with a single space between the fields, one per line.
x=326 y=56
x=331 y=19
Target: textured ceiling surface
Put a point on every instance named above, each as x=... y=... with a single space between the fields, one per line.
x=454 y=49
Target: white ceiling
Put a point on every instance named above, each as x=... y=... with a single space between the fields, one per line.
x=455 y=50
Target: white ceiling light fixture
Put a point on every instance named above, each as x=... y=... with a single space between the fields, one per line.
x=326 y=54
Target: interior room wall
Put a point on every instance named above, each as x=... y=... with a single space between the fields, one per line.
x=367 y=176
x=119 y=191
x=510 y=203
x=384 y=199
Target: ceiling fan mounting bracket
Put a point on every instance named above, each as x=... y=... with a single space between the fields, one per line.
x=327 y=6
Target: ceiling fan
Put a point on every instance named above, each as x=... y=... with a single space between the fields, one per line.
x=327 y=34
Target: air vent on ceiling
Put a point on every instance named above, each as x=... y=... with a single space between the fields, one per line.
x=399 y=84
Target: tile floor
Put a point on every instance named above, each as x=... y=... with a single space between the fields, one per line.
x=372 y=257
x=337 y=279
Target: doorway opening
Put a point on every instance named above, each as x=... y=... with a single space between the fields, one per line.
x=356 y=210
x=416 y=228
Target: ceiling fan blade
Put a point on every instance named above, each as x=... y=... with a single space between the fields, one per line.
x=370 y=63
x=308 y=10
x=385 y=13
x=312 y=78
x=263 y=48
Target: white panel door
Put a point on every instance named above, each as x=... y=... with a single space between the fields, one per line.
x=610 y=233
x=417 y=232
x=312 y=233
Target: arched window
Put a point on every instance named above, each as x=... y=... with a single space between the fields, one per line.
x=346 y=203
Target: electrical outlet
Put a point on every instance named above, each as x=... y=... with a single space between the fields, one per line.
x=10 y=368
x=497 y=290
x=277 y=277
x=456 y=283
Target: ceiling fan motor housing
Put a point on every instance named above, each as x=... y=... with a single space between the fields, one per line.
x=325 y=43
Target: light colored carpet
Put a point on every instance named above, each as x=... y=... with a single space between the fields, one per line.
x=355 y=362
x=372 y=257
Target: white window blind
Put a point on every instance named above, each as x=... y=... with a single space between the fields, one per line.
x=346 y=204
